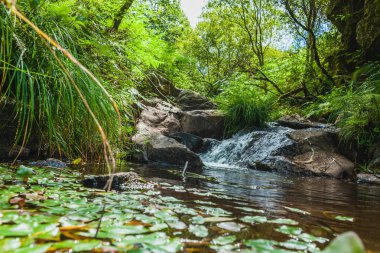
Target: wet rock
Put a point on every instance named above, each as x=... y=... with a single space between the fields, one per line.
x=190 y=101
x=318 y=153
x=120 y=181
x=368 y=178
x=375 y=161
x=51 y=162
x=208 y=144
x=159 y=117
x=360 y=27
x=168 y=135
x=158 y=148
x=298 y=122
x=192 y=142
x=311 y=151
x=206 y=124
x=8 y=131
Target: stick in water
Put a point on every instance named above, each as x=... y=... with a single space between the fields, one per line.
x=185 y=168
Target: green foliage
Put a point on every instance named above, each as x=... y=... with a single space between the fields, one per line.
x=46 y=103
x=39 y=87
x=348 y=243
x=356 y=109
x=244 y=107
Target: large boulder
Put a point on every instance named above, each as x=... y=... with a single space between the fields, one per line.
x=368 y=28
x=168 y=135
x=368 y=178
x=374 y=164
x=358 y=21
x=8 y=132
x=317 y=152
x=192 y=142
x=159 y=117
x=312 y=151
x=158 y=148
x=296 y=121
x=203 y=123
x=190 y=101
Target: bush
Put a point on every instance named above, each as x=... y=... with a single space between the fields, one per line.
x=356 y=109
x=244 y=108
x=38 y=85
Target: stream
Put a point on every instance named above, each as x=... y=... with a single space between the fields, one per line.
x=316 y=204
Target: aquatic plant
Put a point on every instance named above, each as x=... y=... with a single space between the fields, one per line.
x=54 y=95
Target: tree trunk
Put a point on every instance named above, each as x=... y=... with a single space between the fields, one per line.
x=120 y=15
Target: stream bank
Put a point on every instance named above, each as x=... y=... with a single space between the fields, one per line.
x=170 y=135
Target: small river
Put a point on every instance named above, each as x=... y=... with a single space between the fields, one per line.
x=321 y=198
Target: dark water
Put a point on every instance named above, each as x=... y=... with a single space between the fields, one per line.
x=323 y=198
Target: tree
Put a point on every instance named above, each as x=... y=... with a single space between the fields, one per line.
x=120 y=15
x=309 y=20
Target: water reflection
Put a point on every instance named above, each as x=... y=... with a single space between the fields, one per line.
x=323 y=198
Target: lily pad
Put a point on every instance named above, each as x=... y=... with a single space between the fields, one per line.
x=344 y=218
x=296 y=210
x=198 y=230
x=224 y=240
x=254 y=219
x=231 y=226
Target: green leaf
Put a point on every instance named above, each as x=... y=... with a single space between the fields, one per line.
x=254 y=219
x=7 y=245
x=16 y=230
x=284 y=221
x=24 y=171
x=224 y=240
x=78 y=246
x=34 y=249
x=347 y=243
x=296 y=210
x=198 y=230
x=344 y=218
x=288 y=230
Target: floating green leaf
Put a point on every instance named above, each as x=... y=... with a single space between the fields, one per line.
x=198 y=230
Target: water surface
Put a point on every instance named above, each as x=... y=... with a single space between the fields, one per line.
x=323 y=198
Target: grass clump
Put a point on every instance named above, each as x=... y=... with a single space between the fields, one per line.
x=37 y=80
x=355 y=109
x=244 y=108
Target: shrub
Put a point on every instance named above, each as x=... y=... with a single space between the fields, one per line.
x=244 y=107
x=356 y=109
x=46 y=103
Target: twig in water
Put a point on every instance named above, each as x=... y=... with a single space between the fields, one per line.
x=185 y=168
x=100 y=221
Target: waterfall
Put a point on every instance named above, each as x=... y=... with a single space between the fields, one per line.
x=248 y=149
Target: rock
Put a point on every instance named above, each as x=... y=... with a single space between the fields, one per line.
x=51 y=162
x=158 y=148
x=208 y=144
x=311 y=151
x=168 y=135
x=297 y=122
x=375 y=162
x=159 y=117
x=360 y=27
x=368 y=178
x=206 y=124
x=317 y=153
x=192 y=142
x=368 y=28
x=9 y=150
x=120 y=181
x=190 y=101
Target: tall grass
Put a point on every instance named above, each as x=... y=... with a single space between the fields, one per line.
x=244 y=108
x=356 y=108
x=40 y=82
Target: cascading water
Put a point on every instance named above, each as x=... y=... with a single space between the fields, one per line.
x=248 y=149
